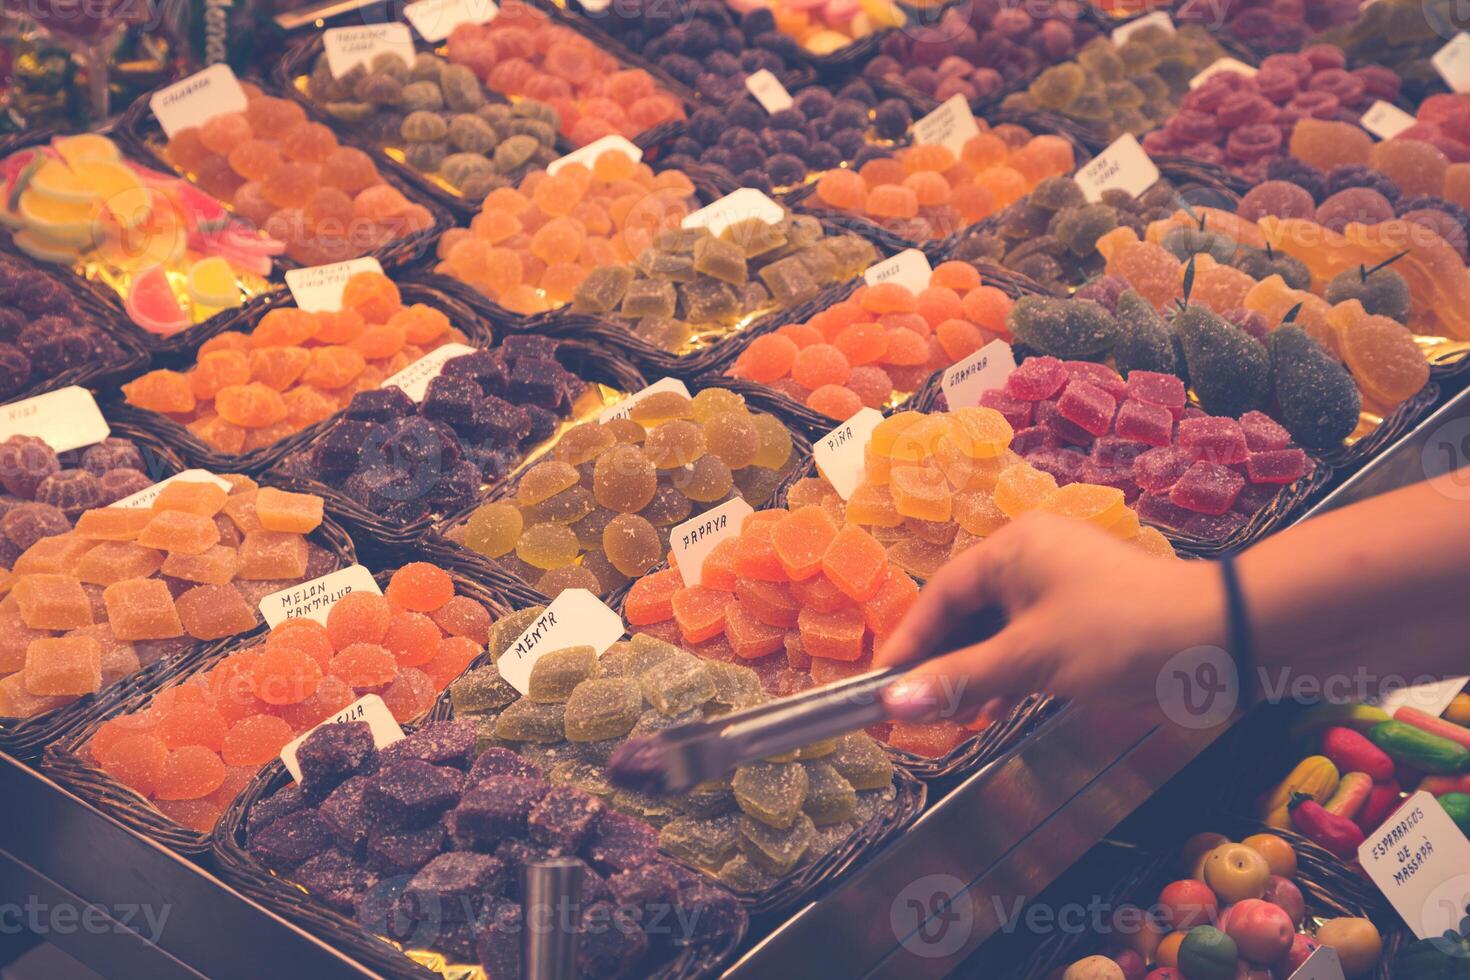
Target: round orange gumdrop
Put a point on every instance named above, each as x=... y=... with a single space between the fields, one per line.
x=984 y=150
x=959 y=338
x=937 y=303
x=136 y=761
x=304 y=636
x=842 y=189
x=956 y=275
x=820 y=364
x=767 y=358
x=892 y=201
x=883 y=170
x=161 y=391
x=986 y=306
x=455 y=654
x=834 y=401
x=888 y=297
x=358 y=617
x=412 y=638
x=283 y=675
x=410 y=695
x=1006 y=184
x=192 y=724
x=364 y=665
x=373 y=295
x=929 y=188
x=255 y=741
x=973 y=202
x=190 y=772
x=935 y=157
x=114 y=730
x=420 y=586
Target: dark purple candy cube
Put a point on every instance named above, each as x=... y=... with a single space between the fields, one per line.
x=452 y=400
x=705 y=913
x=417 y=443
x=455 y=886
x=331 y=754
x=498 y=946
x=381 y=405
x=1263 y=433
x=612 y=940
x=1276 y=466
x=409 y=793
x=1029 y=440
x=1117 y=453
x=1118 y=477
x=1097 y=375
x=494 y=808
x=502 y=424
x=1156 y=508
x=650 y=889
x=340 y=448
x=1214 y=527
x=1207 y=488
x=1159 y=469
x=1066 y=432
x=497 y=761
x=563 y=818
x=1154 y=388
x=620 y=842
x=401 y=852
x=1087 y=406
x=543 y=423
x=1062 y=464
x=1215 y=439
x=458 y=487
x=456 y=940
x=486 y=369
x=342 y=811
x=537 y=381
x=519 y=345
x=1036 y=378
x=382 y=910
x=286 y=800
x=1254 y=497
x=1017 y=412
x=284 y=843
x=439 y=743
x=341 y=885
x=390 y=492
x=1152 y=424
x=516 y=853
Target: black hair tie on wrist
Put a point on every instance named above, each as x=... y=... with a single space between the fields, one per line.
x=1238 y=632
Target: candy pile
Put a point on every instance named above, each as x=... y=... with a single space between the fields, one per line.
x=403 y=460
x=828 y=27
x=523 y=54
x=924 y=192
x=760 y=822
x=1402 y=36
x=980 y=46
x=1243 y=123
x=44 y=332
x=1051 y=234
x=530 y=248
x=435 y=117
x=690 y=280
x=172 y=251
x=1128 y=88
x=1268 y=26
x=707 y=46
x=880 y=342
x=423 y=842
x=290 y=177
x=89 y=603
x=247 y=391
x=598 y=512
x=1444 y=120
x=774 y=151
x=195 y=746
x=1205 y=475
x=1240 y=912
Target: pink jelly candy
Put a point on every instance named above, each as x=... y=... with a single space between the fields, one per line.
x=1098 y=374
x=1262 y=432
x=1036 y=378
x=1086 y=405
x=1159 y=469
x=1276 y=466
x=1207 y=488
x=1016 y=412
x=1152 y=424
x=1213 y=438
x=1153 y=388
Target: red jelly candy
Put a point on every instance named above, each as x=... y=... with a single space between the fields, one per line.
x=1036 y=378
x=1086 y=405
x=1152 y=424
x=1207 y=488
x=1214 y=438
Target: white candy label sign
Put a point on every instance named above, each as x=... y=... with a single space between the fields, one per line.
x=67 y=418
x=839 y=454
x=195 y=100
x=575 y=618
x=693 y=540
x=318 y=288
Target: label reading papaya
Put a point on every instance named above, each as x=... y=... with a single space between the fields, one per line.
x=693 y=540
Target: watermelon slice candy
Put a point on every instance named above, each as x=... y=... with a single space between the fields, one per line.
x=200 y=211
x=238 y=236
x=152 y=304
x=218 y=243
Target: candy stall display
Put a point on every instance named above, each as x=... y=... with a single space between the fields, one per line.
x=830 y=32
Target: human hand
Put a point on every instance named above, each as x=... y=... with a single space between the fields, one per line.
x=1088 y=617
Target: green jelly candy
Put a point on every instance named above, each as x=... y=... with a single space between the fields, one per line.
x=585 y=776
x=1318 y=398
x=1229 y=370
x=829 y=798
x=655 y=809
x=742 y=876
x=709 y=799
x=862 y=762
x=708 y=301
x=772 y=792
x=704 y=844
x=1144 y=342
x=485 y=734
x=776 y=850
x=755 y=237
x=603 y=289
x=678 y=684
x=720 y=259
x=508 y=629
x=735 y=686
x=603 y=707
x=558 y=672
x=481 y=690
x=649 y=297
x=789 y=281
x=817 y=750
x=531 y=721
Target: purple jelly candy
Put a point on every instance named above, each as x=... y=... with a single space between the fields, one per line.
x=518 y=345
x=1065 y=432
x=331 y=754
x=1214 y=438
x=1029 y=440
x=272 y=808
x=488 y=370
x=343 y=813
x=563 y=818
x=341 y=447
x=1214 y=527
x=380 y=405
x=112 y=454
x=1262 y=432
x=1159 y=469
x=439 y=743
x=455 y=886
x=649 y=890
x=1087 y=406
x=1254 y=497
x=706 y=913
x=288 y=841
x=1062 y=464
x=1207 y=488
x=498 y=945
x=1276 y=466
x=1100 y=375
x=1158 y=509
x=1117 y=453
x=496 y=761
x=1017 y=412
x=409 y=793
x=401 y=852
x=537 y=381
x=1143 y=422
x=500 y=423
x=1153 y=388
x=1036 y=378
x=452 y=400
x=495 y=807
x=620 y=842
x=1109 y=476
x=612 y=940
x=332 y=877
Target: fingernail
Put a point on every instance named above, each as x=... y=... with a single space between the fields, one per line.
x=910 y=698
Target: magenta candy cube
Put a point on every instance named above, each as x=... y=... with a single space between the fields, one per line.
x=1214 y=438
x=1142 y=422
x=1032 y=438
x=1153 y=388
x=1214 y=527
x=1276 y=466
x=1159 y=469
x=1193 y=412
x=1254 y=497
x=1262 y=432
x=1063 y=464
x=1017 y=412
x=1036 y=378
x=1158 y=509
x=1118 y=477
x=1086 y=405
x=1117 y=453
x=1097 y=374
x=1207 y=488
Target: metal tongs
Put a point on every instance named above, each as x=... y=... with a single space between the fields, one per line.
x=680 y=758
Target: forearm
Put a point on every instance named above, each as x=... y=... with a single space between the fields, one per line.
x=1380 y=586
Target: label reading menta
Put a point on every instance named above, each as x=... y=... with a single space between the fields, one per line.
x=575 y=618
